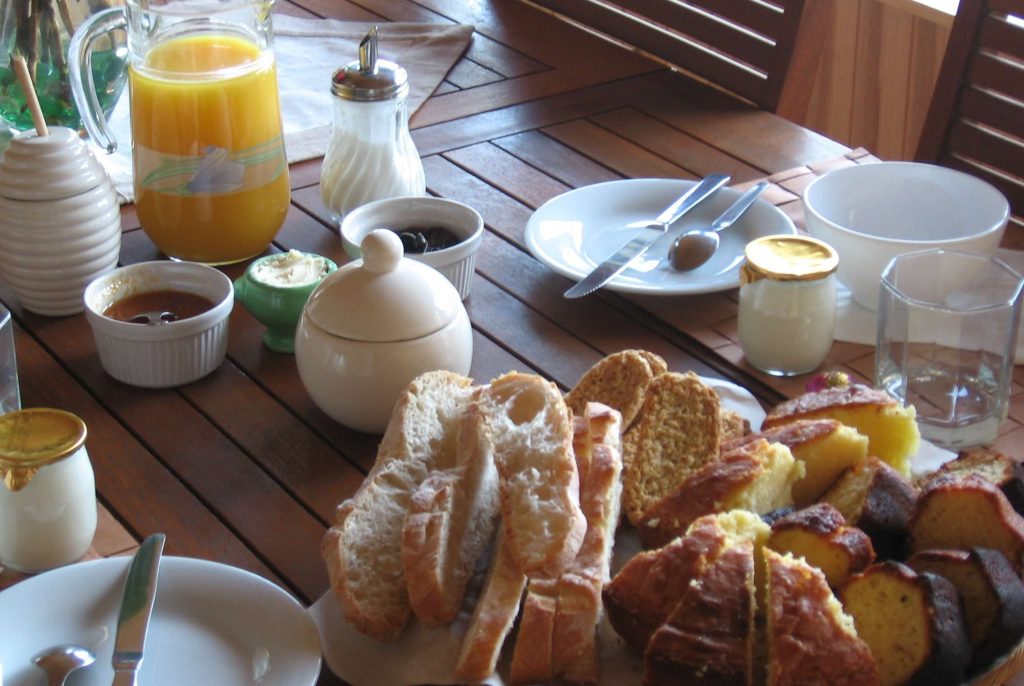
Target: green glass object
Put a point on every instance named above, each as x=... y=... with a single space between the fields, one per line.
x=40 y=31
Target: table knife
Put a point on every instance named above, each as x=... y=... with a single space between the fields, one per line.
x=636 y=247
x=136 y=609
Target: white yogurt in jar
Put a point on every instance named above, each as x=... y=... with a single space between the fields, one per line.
x=293 y=268
x=48 y=493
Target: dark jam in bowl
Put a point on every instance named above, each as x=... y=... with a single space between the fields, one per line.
x=155 y=307
x=416 y=241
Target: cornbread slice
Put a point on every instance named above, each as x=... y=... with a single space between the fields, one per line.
x=825 y=446
x=890 y=427
x=709 y=637
x=991 y=465
x=821 y=536
x=649 y=587
x=965 y=512
x=678 y=431
x=879 y=501
x=912 y=623
x=757 y=477
x=992 y=594
x=810 y=640
x=619 y=381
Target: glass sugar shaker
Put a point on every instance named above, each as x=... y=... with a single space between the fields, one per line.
x=787 y=303
x=371 y=154
x=48 y=494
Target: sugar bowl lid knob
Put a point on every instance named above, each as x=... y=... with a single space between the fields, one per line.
x=382 y=249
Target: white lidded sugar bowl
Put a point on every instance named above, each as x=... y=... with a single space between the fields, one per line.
x=61 y=223
x=372 y=327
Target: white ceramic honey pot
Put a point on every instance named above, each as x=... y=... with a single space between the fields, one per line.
x=373 y=326
x=61 y=223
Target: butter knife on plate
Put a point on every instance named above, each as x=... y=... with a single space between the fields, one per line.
x=136 y=609
x=636 y=247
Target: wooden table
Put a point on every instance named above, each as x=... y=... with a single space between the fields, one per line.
x=242 y=468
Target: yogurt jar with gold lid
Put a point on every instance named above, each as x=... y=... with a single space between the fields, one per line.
x=787 y=303
x=48 y=496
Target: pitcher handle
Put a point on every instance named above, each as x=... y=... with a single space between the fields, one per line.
x=83 y=86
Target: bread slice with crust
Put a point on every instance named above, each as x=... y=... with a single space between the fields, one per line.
x=679 y=430
x=531 y=433
x=450 y=523
x=991 y=465
x=619 y=380
x=820 y=535
x=362 y=550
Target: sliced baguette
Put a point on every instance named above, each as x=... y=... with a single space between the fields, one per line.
x=531 y=433
x=450 y=523
x=493 y=615
x=362 y=550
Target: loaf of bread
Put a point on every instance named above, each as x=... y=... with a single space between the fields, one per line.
x=678 y=431
x=362 y=550
x=709 y=637
x=619 y=381
x=991 y=465
x=640 y=598
x=531 y=436
x=450 y=523
x=826 y=447
x=756 y=476
x=557 y=629
x=820 y=535
x=879 y=501
x=992 y=595
x=912 y=622
x=890 y=427
x=960 y=513
x=810 y=640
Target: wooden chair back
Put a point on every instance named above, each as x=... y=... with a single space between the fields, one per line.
x=976 y=119
x=744 y=46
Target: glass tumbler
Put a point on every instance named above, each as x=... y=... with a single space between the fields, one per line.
x=947 y=337
x=10 y=396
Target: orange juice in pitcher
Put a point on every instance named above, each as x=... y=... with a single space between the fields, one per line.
x=210 y=173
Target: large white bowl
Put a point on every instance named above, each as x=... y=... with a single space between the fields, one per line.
x=457 y=263
x=871 y=213
x=168 y=354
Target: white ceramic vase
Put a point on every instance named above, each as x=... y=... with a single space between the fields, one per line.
x=61 y=223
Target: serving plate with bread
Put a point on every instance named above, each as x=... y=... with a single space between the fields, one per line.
x=642 y=529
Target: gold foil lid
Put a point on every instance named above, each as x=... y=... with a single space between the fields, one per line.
x=788 y=258
x=31 y=439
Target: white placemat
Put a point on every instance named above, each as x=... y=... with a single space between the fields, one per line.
x=308 y=51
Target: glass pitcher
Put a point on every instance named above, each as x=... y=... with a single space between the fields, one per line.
x=210 y=172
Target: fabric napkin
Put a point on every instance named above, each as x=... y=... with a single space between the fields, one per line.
x=857 y=324
x=308 y=51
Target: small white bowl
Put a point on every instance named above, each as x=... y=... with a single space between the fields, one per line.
x=871 y=213
x=168 y=354
x=457 y=263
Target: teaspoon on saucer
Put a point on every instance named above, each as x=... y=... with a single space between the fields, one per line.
x=695 y=247
x=59 y=661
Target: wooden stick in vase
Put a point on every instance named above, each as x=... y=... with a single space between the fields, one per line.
x=21 y=71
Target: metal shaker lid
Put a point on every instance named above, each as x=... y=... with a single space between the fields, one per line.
x=369 y=78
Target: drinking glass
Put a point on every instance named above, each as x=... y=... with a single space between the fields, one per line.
x=947 y=336
x=10 y=396
x=210 y=172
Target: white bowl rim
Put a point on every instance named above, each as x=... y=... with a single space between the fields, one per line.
x=169 y=330
x=842 y=171
x=467 y=244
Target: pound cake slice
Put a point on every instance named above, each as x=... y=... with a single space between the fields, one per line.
x=992 y=594
x=991 y=465
x=912 y=622
x=619 y=381
x=810 y=640
x=363 y=549
x=825 y=446
x=679 y=430
x=879 y=501
x=709 y=636
x=890 y=427
x=821 y=536
x=966 y=512
x=757 y=477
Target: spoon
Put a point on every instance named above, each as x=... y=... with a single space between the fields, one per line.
x=59 y=661
x=693 y=248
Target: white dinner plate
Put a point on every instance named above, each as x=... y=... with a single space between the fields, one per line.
x=576 y=231
x=212 y=625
